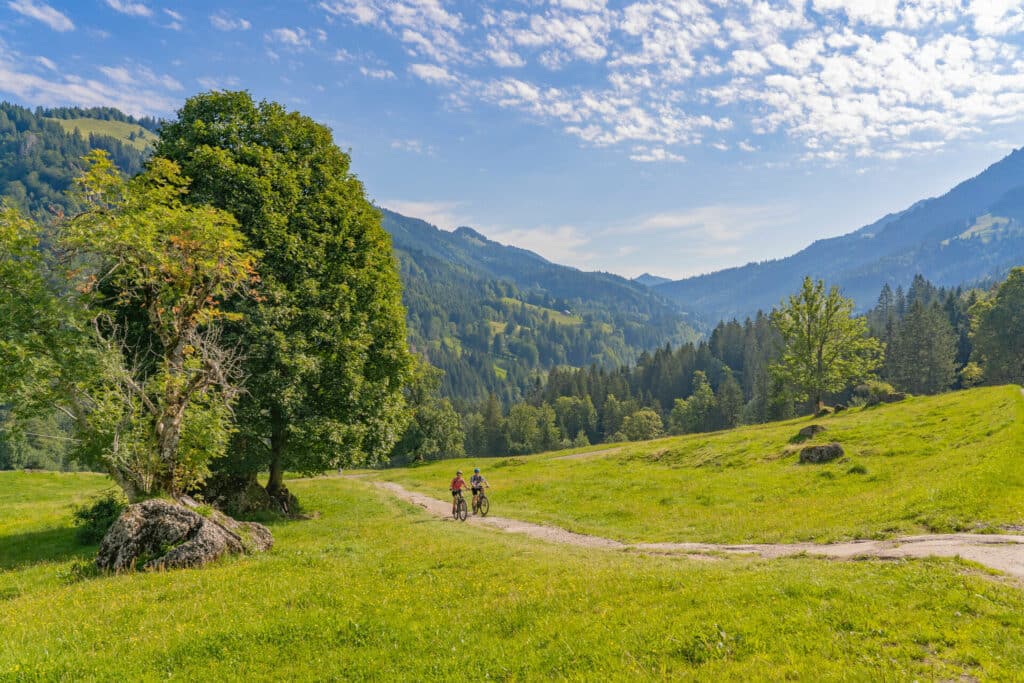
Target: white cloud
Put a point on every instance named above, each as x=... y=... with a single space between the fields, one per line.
x=140 y=76
x=177 y=20
x=442 y=214
x=219 y=82
x=135 y=9
x=46 y=63
x=842 y=78
x=377 y=74
x=290 y=37
x=564 y=244
x=717 y=223
x=431 y=73
x=223 y=22
x=40 y=11
x=413 y=146
x=654 y=154
x=143 y=96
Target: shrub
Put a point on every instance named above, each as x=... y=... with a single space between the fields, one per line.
x=874 y=391
x=96 y=518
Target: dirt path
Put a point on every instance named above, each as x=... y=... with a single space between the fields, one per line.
x=1002 y=552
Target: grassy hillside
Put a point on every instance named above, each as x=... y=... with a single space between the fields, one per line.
x=375 y=589
x=120 y=130
x=953 y=462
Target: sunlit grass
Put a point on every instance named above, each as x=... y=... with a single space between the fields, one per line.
x=945 y=463
x=376 y=589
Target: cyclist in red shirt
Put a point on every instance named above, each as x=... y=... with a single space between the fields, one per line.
x=458 y=483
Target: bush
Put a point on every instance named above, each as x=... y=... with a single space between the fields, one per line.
x=874 y=391
x=96 y=518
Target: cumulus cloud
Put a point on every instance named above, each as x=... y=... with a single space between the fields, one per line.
x=135 y=9
x=40 y=11
x=377 y=74
x=133 y=89
x=431 y=73
x=844 y=78
x=413 y=146
x=140 y=76
x=442 y=214
x=289 y=37
x=219 y=82
x=223 y=22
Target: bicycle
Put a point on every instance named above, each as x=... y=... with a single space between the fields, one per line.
x=481 y=504
x=461 y=509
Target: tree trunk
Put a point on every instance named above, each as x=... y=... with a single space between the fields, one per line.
x=277 y=444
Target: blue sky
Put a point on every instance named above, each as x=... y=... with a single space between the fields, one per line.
x=669 y=136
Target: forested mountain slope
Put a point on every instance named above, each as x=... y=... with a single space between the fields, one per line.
x=41 y=151
x=973 y=233
x=493 y=316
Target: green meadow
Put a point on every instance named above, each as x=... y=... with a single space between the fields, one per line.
x=953 y=462
x=115 y=129
x=374 y=589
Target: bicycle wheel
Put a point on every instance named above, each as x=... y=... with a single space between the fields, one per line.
x=461 y=510
x=485 y=505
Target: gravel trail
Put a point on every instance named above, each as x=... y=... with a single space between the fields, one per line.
x=1001 y=552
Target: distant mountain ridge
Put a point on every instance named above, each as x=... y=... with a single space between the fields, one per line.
x=648 y=280
x=973 y=233
x=495 y=316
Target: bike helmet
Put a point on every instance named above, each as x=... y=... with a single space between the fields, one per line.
x=458 y=472
x=476 y=470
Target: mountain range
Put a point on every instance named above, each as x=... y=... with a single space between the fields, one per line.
x=970 y=235
x=495 y=318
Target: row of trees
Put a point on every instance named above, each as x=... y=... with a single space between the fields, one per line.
x=811 y=350
x=235 y=308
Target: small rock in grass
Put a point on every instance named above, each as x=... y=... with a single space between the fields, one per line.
x=809 y=432
x=821 y=453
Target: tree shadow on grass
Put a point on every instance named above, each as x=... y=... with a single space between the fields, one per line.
x=46 y=545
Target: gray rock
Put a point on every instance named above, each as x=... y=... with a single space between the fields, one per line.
x=821 y=453
x=809 y=432
x=165 y=534
x=894 y=397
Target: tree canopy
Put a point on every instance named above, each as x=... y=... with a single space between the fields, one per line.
x=325 y=345
x=825 y=347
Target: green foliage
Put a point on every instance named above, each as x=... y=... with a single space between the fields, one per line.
x=434 y=431
x=157 y=414
x=642 y=425
x=998 y=331
x=825 y=348
x=94 y=519
x=325 y=345
x=922 y=354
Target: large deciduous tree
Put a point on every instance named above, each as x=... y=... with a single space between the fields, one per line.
x=825 y=347
x=153 y=414
x=325 y=346
x=998 y=331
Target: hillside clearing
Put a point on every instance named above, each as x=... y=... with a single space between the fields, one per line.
x=120 y=130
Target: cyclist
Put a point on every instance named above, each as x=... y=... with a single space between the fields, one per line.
x=477 y=483
x=458 y=483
